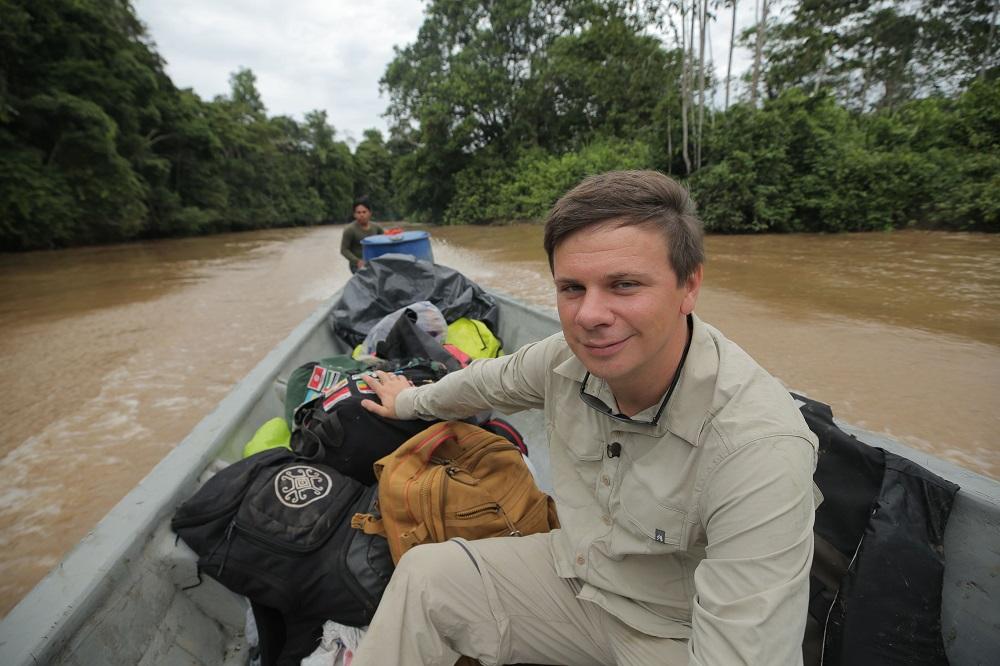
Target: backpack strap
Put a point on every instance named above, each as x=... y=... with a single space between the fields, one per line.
x=368 y=523
x=431 y=439
x=416 y=537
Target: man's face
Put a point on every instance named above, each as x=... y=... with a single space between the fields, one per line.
x=621 y=308
x=363 y=215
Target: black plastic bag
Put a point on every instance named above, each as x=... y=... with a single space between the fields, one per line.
x=878 y=567
x=390 y=282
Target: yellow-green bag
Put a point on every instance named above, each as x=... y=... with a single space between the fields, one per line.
x=474 y=338
x=272 y=434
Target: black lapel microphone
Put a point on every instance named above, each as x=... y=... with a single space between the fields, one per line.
x=614 y=450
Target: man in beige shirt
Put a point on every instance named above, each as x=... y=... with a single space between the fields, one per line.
x=681 y=470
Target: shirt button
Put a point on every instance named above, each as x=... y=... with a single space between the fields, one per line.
x=605 y=480
x=580 y=560
x=607 y=519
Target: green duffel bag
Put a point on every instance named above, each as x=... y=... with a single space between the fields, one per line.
x=310 y=379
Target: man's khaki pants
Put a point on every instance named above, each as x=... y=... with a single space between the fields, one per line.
x=500 y=601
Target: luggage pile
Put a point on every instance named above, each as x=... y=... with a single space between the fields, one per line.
x=310 y=523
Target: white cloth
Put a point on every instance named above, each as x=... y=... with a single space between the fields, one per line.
x=337 y=646
x=429 y=319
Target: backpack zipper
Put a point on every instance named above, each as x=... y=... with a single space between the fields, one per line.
x=472 y=513
x=495 y=508
x=410 y=481
x=226 y=539
x=435 y=477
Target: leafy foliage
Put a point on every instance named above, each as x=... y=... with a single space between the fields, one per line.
x=97 y=145
x=803 y=163
x=877 y=115
x=527 y=191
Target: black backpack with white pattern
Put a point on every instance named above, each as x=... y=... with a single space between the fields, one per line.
x=277 y=529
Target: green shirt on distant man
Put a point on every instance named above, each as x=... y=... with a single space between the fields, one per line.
x=362 y=227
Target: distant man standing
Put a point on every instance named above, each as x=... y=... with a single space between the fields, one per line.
x=361 y=227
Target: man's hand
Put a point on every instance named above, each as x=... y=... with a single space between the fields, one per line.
x=361 y=264
x=386 y=386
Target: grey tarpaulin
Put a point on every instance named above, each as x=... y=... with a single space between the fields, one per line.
x=392 y=281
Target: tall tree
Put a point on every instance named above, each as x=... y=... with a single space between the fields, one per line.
x=686 y=78
x=702 y=23
x=758 y=51
x=732 y=42
x=483 y=82
x=373 y=174
x=76 y=101
x=332 y=168
x=984 y=62
x=245 y=96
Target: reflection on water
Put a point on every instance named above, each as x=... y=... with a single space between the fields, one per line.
x=109 y=356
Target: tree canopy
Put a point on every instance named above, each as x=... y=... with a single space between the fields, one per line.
x=98 y=145
x=855 y=115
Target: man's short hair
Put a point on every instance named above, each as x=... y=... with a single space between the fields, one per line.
x=362 y=201
x=627 y=198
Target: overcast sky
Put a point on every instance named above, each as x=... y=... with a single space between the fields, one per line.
x=311 y=54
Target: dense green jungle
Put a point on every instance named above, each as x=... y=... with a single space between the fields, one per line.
x=855 y=115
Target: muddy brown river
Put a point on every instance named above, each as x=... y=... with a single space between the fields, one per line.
x=109 y=356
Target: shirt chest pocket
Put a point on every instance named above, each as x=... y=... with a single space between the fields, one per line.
x=581 y=433
x=656 y=527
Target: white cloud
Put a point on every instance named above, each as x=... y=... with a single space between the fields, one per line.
x=306 y=54
x=317 y=54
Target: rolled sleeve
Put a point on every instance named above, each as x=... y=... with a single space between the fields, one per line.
x=752 y=589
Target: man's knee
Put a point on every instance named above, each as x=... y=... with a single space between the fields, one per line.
x=435 y=566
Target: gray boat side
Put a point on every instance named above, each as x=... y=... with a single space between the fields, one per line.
x=123 y=595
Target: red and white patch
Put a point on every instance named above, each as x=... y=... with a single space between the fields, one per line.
x=334 y=398
x=317 y=379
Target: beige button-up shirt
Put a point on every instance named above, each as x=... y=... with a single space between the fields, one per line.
x=702 y=527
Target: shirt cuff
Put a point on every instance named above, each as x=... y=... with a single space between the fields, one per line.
x=405 y=410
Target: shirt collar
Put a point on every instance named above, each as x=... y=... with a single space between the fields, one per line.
x=687 y=410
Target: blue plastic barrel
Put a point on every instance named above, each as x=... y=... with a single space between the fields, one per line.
x=415 y=243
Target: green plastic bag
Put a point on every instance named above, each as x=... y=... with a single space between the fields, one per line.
x=474 y=338
x=272 y=434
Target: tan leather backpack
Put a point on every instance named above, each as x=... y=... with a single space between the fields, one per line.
x=455 y=480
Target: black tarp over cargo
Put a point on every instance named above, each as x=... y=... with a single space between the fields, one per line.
x=879 y=562
x=390 y=282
